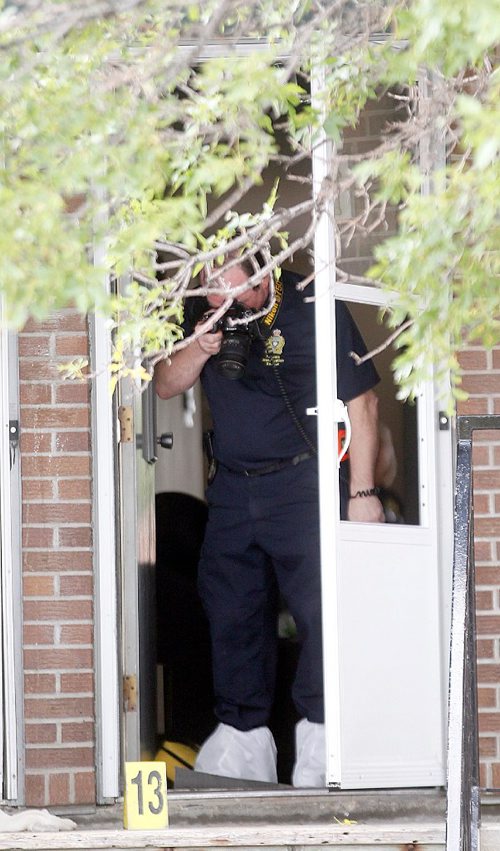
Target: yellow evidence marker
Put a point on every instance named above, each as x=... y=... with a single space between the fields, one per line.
x=146 y=806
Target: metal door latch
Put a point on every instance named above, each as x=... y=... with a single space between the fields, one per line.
x=444 y=421
x=13 y=440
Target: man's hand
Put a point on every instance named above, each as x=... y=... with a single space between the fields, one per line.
x=210 y=343
x=184 y=367
x=365 y=509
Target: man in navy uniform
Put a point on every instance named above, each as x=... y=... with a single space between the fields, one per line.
x=262 y=537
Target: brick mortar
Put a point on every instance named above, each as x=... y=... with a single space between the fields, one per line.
x=62 y=433
x=489 y=715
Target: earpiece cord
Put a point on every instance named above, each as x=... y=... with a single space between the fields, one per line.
x=291 y=410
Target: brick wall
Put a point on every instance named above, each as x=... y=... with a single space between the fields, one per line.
x=482 y=381
x=57 y=566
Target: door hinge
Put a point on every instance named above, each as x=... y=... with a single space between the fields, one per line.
x=130 y=693
x=126 y=420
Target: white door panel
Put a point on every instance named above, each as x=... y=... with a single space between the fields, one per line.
x=390 y=676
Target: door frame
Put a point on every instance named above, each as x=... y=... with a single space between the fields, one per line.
x=11 y=656
x=329 y=499
x=104 y=520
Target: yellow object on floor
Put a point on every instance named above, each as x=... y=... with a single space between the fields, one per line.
x=174 y=755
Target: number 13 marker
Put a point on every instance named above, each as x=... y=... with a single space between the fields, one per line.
x=146 y=805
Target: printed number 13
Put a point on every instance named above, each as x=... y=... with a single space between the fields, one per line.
x=153 y=776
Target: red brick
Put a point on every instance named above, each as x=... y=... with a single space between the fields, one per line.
x=485 y=648
x=473 y=359
x=490 y=722
x=483 y=553
x=57 y=417
x=57 y=610
x=69 y=757
x=72 y=345
x=48 y=659
x=496 y=358
x=41 y=734
x=77 y=683
x=473 y=406
x=63 y=321
x=85 y=790
x=487 y=436
x=57 y=560
x=57 y=707
x=484 y=782
x=34 y=442
x=72 y=393
x=83 y=733
x=39 y=683
x=38 y=489
x=34 y=345
x=482 y=382
x=487 y=479
x=38 y=634
x=481 y=505
x=40 y=537
x=495 y=775
x=487 y=697
x=35 y=790
x=58 y=789
x=35 y=394
x=78 y=536
x=38 y=586
x=488 y=624
x=488 y=674
x=58 y=512
x=38 y=370
x=77 y=633
x=488 y=746
x=487 y=527
x=73 y=441
x=480 y=455
x=73 y=466
x=74 y=489
x=76 y=586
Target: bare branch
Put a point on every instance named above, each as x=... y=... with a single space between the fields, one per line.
x=358 y=360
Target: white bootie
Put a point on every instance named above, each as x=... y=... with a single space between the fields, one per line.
x=244 y=754
x=310 y=755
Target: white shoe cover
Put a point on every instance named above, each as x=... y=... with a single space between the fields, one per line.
x=244 y=754
x=310 y=755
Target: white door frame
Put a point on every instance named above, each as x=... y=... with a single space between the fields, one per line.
x=105 y=508
x=11 y=669
x=105 y=568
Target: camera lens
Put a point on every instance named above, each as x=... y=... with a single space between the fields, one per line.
x=233 y=354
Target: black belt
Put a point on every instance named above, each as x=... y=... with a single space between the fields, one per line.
x=272 y=468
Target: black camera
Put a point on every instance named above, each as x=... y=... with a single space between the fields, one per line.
x=232 y=358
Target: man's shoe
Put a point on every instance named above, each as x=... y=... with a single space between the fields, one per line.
x=310 y=755
x=244 y=754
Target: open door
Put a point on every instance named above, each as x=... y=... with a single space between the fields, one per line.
x=384 y=611
x=137 y=454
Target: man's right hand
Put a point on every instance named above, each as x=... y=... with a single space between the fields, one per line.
x=210 y=343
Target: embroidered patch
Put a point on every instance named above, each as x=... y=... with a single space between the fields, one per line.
x=274 y=346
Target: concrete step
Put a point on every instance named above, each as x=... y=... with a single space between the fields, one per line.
x=297 y=821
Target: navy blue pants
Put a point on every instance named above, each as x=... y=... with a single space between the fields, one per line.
x=262 y=540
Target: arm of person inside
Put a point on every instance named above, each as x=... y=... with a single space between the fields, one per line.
x=363 y=453
x=180 y=372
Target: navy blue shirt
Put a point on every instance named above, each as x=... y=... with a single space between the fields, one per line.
x=252 y=426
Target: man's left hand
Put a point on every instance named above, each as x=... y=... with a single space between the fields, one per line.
x=366 y=509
